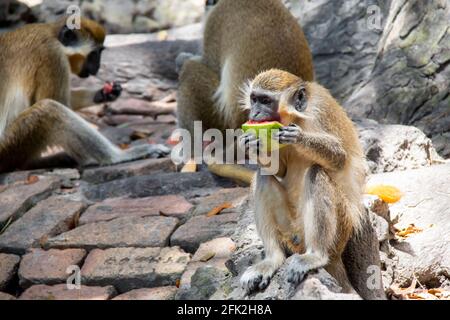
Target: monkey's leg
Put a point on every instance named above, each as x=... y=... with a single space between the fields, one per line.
x=320 y=225
x=49 y=123
x=271 y=211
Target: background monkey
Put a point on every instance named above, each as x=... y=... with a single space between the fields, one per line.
x=313 y=204
x=35 y=96
x=241 y=39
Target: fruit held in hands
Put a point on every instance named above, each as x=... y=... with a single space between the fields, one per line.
x=264 y=130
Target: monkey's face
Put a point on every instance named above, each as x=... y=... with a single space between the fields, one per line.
x=276 y=95
x=83 y=47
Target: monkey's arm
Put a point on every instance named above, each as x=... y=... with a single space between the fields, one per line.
x=82 y=98
x=323 y=149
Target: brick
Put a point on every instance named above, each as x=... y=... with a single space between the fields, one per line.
x=20 y=197
x=234 y=196
x=122 y=232
x=49 y=218
x=48 y=267
x=8 y=268
x=61 y=292
x=131 y=268
x=161 y=293
x=201 y=229
x=129 y=169
x=110 y=209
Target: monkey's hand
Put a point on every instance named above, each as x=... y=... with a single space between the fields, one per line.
x=109 y=93
x=291 y=134
x=249 y=143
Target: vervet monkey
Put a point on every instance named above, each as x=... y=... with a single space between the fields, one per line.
x=313 y=204
x=241 y=39
x=36 y=104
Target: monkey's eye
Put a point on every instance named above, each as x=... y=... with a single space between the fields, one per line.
x=265 y=100
x=300 y=100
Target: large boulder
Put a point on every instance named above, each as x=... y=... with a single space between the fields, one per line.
x=386 y=60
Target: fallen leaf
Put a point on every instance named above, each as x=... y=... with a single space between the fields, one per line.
x=32 y=180
x=408 y=231
x=177 y=283
x=124 y=146
x=403 y=292
x=388 y=194
x=215 y=211
x=189 y=167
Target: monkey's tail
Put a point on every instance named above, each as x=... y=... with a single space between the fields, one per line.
x=233 y=171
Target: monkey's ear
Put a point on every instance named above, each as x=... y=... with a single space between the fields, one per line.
x=67 y=36
x=300 y=100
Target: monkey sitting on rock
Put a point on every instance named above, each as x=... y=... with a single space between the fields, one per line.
x=36 y=103
x=313 y=204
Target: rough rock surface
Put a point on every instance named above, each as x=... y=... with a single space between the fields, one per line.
x=425 y=204
x=395 y=147
x=386 y=60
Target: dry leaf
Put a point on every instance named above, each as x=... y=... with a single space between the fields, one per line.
x=32 y=180
x=408 y=231
x=177 y=283
x=403 y=292
x=388 y=194
x=215 y=211
x=189 y=167
x=124 y=146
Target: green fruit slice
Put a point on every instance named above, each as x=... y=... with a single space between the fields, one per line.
x=264 y=131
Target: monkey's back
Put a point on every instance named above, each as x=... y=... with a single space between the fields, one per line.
x=26 y=55
x=270 y=37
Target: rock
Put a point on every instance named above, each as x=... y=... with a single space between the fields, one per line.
x=48 y=267
x=109 y=209
x=409 y=82
x=395 y=147
x=202 y=228
x=18 y=198
x=213 y=253
x=381 y=227
x=121 y=232
x=362 y=252
x=61 y=292
x=134 y=106
x=232 y=196
x=132 y=268
x=321 y=286
x=130 y=169
x=5 y=296
x=8 y=269
x=161 y=293
x=425 y=203
x=143 y=16
x=157 y=184
x=14 y=13
x=49 y=218
x=205 y=282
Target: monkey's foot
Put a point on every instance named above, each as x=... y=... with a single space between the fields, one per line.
x=257 y=277
x=298 y=267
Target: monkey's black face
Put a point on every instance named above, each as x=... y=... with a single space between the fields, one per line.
x=264 y=107
x=92 y=64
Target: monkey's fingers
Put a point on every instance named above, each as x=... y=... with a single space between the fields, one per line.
x=287 y=137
